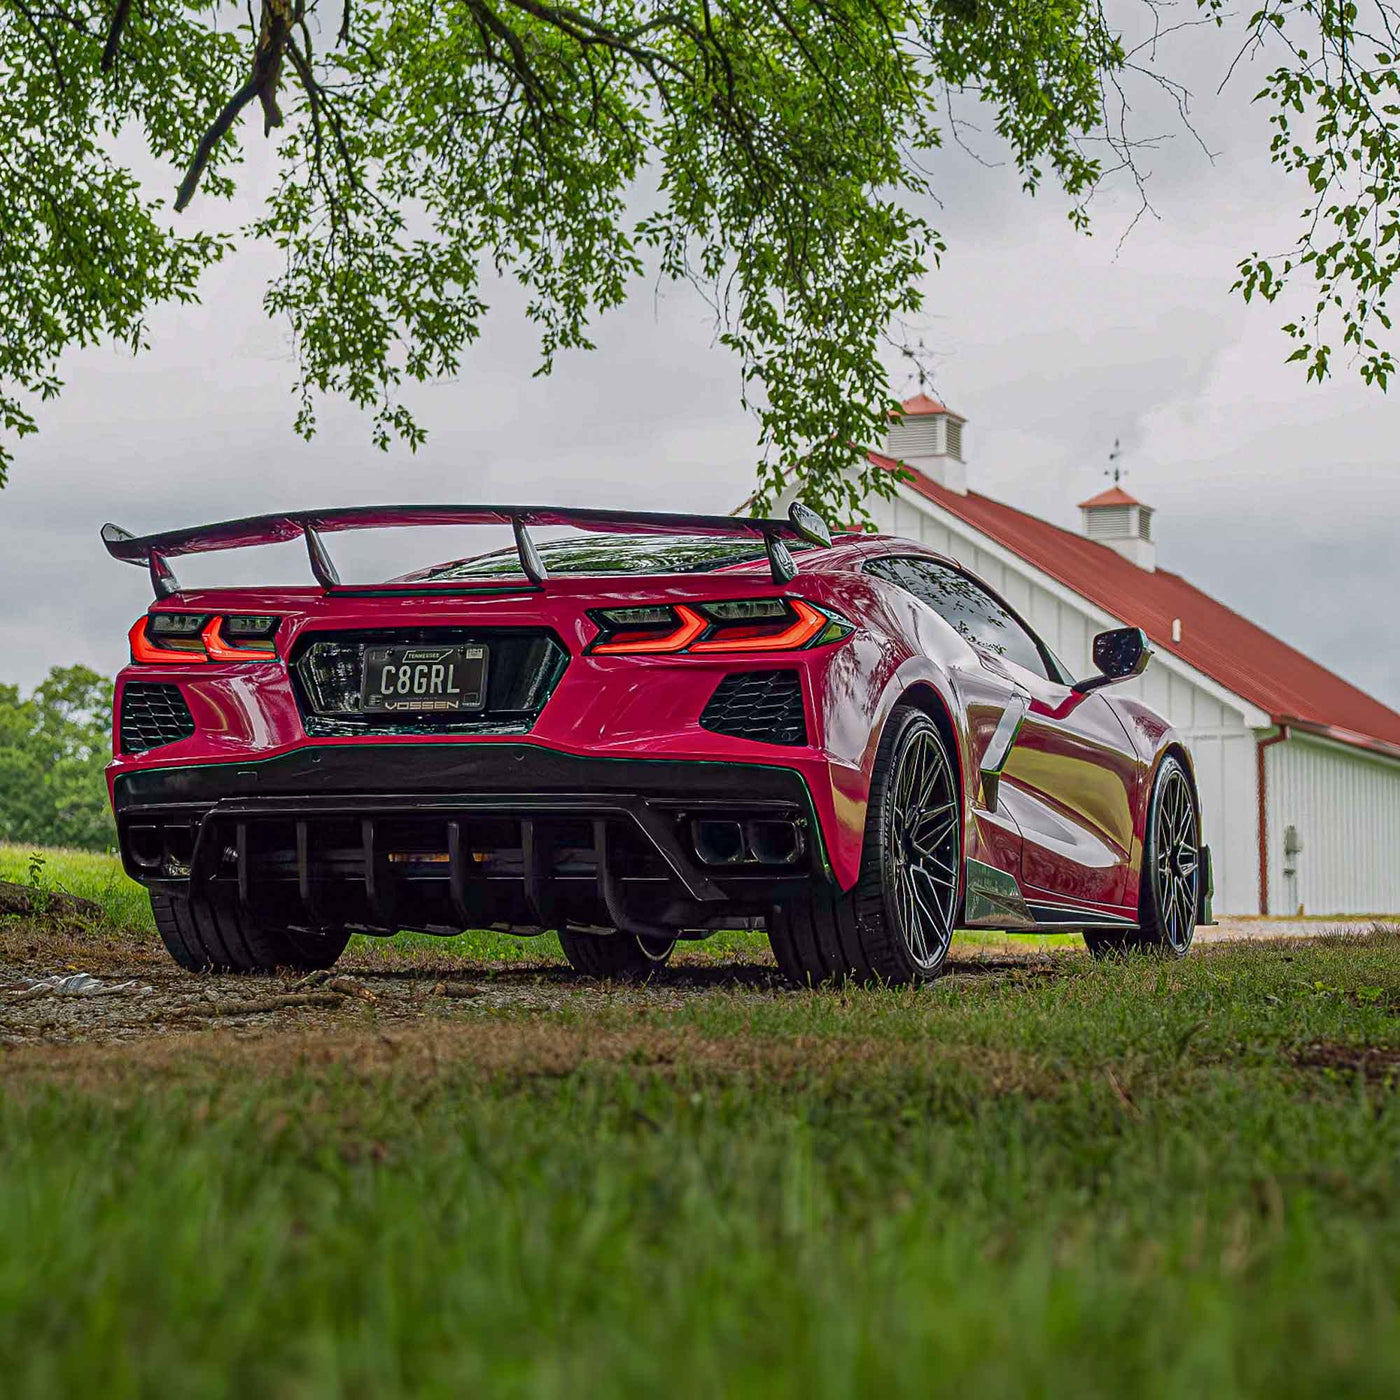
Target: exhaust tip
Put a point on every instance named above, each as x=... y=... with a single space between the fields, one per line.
x=718 y=842
x=775 y=842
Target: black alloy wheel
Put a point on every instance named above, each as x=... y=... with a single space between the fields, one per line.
x=1169 y=894
x=1176 y=857
x=896 y=925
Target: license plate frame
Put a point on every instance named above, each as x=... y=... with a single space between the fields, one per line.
x=446 y=679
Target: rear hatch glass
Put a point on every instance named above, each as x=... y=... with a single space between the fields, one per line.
x=604 y=554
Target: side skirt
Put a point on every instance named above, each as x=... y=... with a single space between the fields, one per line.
x=995 y=900
x=1053 y=916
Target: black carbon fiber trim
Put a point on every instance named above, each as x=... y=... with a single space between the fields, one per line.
x=765 y=706
x=153 y=714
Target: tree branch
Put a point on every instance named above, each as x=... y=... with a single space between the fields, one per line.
x=213 y=136
x=277 y=19
x=114 y=35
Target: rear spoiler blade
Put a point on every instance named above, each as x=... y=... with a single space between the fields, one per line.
x=154 y=551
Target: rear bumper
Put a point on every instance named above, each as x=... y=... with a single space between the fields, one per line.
x=443 y=837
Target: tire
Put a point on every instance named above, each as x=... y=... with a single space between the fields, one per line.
x=896 y=924
x=212 y=934
x=1169 y=887
x=615 y=957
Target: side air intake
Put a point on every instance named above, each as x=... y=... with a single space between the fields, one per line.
x=153 y=714
x=762 y=705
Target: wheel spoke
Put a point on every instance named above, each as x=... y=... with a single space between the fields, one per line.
x=917 y=943
x=919 y=899
x=929 y=850
x=930 y=814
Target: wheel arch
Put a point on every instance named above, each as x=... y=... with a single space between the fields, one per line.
x=922 y=696
x=1174 y=748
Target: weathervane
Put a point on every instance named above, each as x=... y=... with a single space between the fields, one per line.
x=1113 y=469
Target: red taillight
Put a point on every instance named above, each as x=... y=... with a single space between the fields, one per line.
x=162 y=638
x=148 y=653
x=680 y=637
x=798 y=634
x=220 y=650
x=749 y=624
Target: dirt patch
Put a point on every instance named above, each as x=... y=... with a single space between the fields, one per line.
x=1376 y=1064
x=366 y=987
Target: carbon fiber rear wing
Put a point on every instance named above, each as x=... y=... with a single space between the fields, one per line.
x=153 y=552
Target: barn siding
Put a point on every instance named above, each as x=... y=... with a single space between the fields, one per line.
x=1226 y=778
x=1345 y=805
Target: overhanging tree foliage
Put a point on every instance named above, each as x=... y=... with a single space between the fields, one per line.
x=771 y=152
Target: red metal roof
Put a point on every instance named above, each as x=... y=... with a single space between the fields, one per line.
x=1230 y=649
x=921 y=406
x=1114 y=496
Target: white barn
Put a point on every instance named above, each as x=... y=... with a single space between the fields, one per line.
x=1299 y=771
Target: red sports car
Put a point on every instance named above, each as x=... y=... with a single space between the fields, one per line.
x=656 y=727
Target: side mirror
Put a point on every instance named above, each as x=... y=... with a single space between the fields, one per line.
x=1120 y=655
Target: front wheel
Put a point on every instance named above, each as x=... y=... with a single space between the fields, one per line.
x=1169 y=889
x=896 y=925
x=617 y=957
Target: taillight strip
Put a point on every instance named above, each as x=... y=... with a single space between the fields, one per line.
x=147 y=652
x=219 y=650
x=692 y=625
x=809 y=623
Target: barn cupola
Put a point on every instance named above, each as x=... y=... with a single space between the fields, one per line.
x=928 y=438
x=1123 y=523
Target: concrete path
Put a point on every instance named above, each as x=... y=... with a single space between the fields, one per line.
x=1228 y=929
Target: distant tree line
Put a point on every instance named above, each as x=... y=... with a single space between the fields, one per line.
x=54 y=745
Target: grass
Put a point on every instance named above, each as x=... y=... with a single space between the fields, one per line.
x=1043 y=1176
x=91 y=875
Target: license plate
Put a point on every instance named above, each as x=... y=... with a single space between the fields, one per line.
x=423 y=680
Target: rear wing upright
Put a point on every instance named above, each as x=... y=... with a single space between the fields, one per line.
x=153 y=552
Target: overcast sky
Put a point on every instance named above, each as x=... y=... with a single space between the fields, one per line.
x=1277 y=496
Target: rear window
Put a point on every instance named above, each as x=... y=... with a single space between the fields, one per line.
x=614 y=554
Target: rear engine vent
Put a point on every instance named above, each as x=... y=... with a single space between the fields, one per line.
x=762 y=705
x=153 y=714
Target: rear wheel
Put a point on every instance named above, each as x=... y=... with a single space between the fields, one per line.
x=1170 y=885
x=618 y=957
x=896 y=924
x=214 y=934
